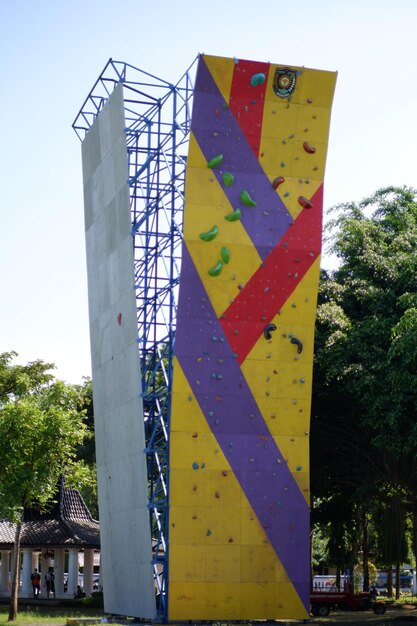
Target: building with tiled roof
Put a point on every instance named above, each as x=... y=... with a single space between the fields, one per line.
x=55 y=541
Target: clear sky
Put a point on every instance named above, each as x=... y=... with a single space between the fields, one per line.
x=52 y=51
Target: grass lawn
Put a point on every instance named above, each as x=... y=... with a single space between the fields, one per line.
x=48 y=615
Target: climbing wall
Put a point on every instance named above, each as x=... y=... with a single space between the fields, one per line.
x=239 y=444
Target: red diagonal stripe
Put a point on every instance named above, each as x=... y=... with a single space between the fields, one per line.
x=247 y=102
x=273 y=283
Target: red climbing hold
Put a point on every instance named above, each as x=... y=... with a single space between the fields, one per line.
x=305 y=203
x=277 y=181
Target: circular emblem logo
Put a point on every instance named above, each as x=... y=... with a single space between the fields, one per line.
x=284 y=81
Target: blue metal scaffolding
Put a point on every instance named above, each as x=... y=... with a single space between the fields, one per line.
x=157 y=125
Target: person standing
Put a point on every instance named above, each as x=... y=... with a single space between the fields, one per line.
x=36 y=583
x=48 y=582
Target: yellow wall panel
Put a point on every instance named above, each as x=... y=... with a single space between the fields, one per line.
x=252 y=532
x=187 y=524
x=223 y=563
x=187 y=562
x=271 y=599
x=259 y=564
x=222 y=71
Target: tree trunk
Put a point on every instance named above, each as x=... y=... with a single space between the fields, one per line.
x=389 y=581
x=338 y=578
x=16 y=575
x=397 y=581
x=365 y=553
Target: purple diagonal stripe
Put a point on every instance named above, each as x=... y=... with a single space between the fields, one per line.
x=226 y=400
x=218 y=132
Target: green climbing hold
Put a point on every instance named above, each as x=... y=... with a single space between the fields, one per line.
x=225 y=254
x=210 y=234
x=257 y=79
x=228 y=179
x=233 y=216
x=215 y=161
x=246 y=199
x=216 y=269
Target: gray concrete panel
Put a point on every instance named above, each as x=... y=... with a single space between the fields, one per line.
x=126 y=567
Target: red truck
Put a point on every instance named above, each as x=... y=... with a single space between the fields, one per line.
x=324 y=600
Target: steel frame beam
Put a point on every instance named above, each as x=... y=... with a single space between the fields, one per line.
x=158 y=118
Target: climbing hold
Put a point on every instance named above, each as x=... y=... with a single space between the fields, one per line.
x=257 y=79
x=267 y=330
x=215 y=161
x=210 y=234
x=216 y=269
x=298 y=343
x=208 y=532
x=246 y=199
x=277 y=181
x=304 y=202
x=224 y=473
x=217 y=495
x=195 y=466
x=228 y=179
x=309 y=148
x=233 y=216
x=225 y=254
x=299 y=468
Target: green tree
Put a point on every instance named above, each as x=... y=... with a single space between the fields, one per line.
x=41 y=426
x=364 y=396
x=86 y=482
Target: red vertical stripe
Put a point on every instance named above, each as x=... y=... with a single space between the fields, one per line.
x=247 y=102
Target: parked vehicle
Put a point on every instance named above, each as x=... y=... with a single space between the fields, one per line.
x=324 y=600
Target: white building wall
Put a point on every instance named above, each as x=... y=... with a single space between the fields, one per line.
x=126 y=570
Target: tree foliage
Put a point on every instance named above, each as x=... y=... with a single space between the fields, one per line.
x=41 y=427
x=364 y=426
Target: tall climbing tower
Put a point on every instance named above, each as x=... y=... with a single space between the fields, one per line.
x=203 y=240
